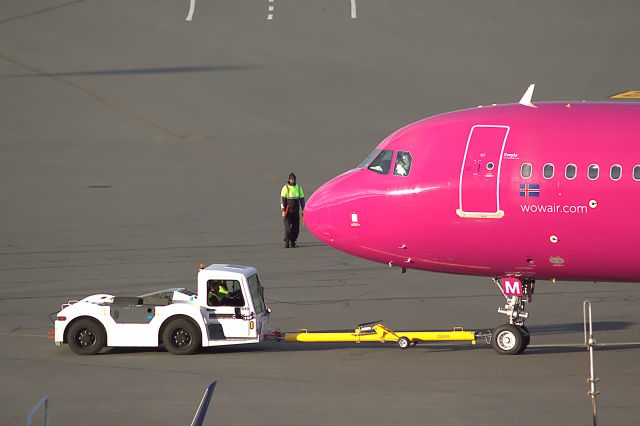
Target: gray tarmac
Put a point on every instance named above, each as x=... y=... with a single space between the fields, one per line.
x=136 y=145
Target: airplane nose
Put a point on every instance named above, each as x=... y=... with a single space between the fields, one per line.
x=323 y=212
x=317 y=215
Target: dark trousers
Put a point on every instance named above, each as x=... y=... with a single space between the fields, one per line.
x=291 y=226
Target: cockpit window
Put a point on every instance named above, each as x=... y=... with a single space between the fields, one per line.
x=382 y=163
x=370 y=157
x=403 y=164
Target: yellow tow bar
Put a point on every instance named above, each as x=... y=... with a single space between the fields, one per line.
x=377 y=332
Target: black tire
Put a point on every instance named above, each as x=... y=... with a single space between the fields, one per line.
x=526 y=336
x=507 y=339
x=181 y=337
x=404 y=343
x=85 y=337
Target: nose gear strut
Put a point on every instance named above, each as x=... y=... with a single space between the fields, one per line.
x=513 y=338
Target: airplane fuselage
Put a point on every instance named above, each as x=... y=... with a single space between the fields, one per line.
x=497 y=191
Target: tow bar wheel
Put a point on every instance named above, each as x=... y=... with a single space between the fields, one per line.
x=404 y=342
x=507 y=339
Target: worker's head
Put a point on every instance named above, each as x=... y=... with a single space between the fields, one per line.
x=292 y=177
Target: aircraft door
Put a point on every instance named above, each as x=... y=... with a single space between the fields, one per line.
x=480 y=173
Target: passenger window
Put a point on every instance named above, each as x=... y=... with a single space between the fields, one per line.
x=403 y=164
x=382 y=163
x=636 y=173
x=570 y=172
x=224 y=293
x=547 y=171
x=616 y=172
x=594 y=171
x=367 y=160
x=525 y=171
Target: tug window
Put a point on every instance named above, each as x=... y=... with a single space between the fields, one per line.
x=636 y=173
x=224 y=293
x=525 y=171
x=616 y=172
x=382 y=163
x=547 y=171
x=594 y=171
x=403 y=164
x=570 y=172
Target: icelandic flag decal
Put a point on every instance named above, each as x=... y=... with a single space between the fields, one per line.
x=529 y=189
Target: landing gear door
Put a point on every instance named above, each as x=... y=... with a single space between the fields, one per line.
x=228 y=312
x=480 y=173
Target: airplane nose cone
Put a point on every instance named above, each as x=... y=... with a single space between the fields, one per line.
x=317 y=216
x=324 y=211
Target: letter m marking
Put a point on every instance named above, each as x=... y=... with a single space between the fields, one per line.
x=511 y=287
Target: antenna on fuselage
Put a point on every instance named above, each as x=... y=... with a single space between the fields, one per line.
x=526 y=98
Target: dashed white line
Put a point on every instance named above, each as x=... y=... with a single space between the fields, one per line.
x=192 y=8
x=270 y=15
x=353 y=9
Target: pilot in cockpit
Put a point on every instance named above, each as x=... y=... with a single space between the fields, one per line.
x=403 y=164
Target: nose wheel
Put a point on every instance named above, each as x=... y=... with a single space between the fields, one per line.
x=510 y=339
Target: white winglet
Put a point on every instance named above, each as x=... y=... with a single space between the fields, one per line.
x=526 y=98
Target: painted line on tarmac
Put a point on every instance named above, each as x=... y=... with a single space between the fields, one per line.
x=192 y=8
x=270 y=15
x=582 y=345
x=353 y=9
x=22 y=335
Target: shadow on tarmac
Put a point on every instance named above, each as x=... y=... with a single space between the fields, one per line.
x=533 y=349
x=578 y=327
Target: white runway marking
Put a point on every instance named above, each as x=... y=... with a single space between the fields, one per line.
x=270 y=15
x=192 y=7
x=353 y=9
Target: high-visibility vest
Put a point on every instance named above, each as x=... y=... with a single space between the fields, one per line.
x=292 y=192
x=221 y=294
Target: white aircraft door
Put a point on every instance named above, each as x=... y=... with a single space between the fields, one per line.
x=480 y=173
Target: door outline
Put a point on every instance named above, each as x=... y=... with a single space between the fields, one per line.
x=498 y=213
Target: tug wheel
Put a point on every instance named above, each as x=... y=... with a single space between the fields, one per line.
x=404 y=343
x=181 y=337
x=85 y=337
x=507 y=339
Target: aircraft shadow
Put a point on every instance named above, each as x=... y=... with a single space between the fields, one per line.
x=577 y=327
x=427 y=347
x=563 y=349
x=536 y=330
x=136 y=71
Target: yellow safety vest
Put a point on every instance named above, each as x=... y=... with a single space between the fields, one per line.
x=292 y=192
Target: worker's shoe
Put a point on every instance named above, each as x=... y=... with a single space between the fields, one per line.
x=286 y=244
x=293 y=244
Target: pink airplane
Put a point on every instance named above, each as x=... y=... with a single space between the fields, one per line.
x=517 y=192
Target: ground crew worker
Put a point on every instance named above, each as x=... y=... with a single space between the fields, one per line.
x=292 y=206
x=217 y=293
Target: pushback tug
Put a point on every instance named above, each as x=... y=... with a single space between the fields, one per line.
x=185 y=321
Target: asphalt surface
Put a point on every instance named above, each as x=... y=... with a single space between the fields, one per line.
x=136 y=145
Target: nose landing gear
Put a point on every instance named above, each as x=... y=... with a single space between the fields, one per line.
x=513 y=338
